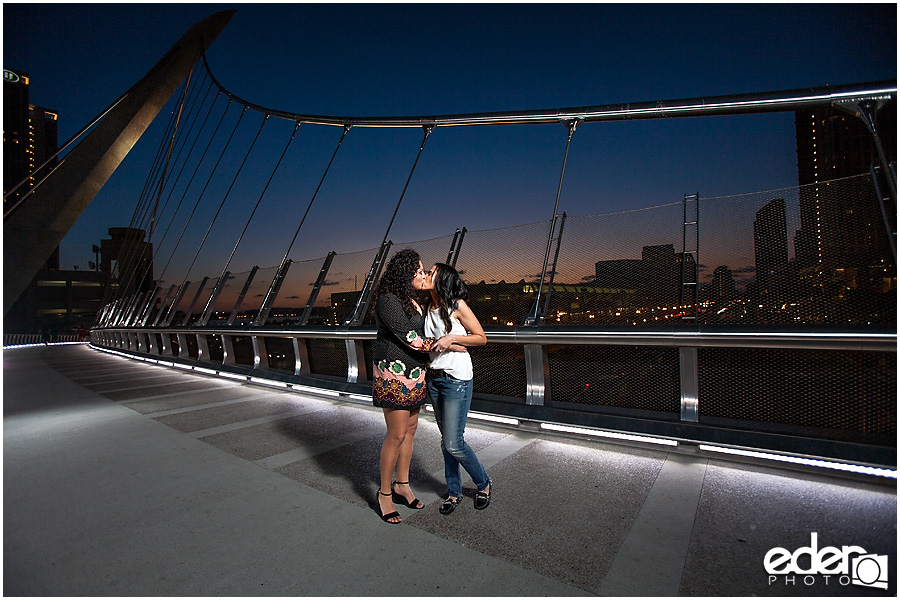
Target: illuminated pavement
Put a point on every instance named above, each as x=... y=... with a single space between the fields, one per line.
x=123 y=478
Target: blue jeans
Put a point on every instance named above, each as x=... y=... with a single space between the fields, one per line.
x=451 y=399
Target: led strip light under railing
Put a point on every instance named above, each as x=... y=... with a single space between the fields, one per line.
x=486 y=417
x=800 y=460
x=609 y=434
x=13 y=346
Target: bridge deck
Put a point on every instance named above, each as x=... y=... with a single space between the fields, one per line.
x=123 y=478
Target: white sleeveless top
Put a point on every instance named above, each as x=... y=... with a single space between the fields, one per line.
x=456 y=364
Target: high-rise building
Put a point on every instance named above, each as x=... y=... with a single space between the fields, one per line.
x=839 y=219
x=30 y=138
x=770 y=242
x=15 y=132
x=722 y=286
x=662 y=274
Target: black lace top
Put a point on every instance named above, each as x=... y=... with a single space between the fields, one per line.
x=400 y=355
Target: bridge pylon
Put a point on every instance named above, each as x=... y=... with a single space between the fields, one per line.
x=36 y=226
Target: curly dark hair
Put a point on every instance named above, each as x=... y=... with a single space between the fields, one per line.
x=450 y=289
x=398 y=277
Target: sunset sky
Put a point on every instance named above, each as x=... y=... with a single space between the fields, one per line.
x=423 y=59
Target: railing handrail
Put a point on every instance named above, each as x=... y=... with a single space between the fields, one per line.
x=673 y=336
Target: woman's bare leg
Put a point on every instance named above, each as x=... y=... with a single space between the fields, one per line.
x=404 y=456
x=397 y=422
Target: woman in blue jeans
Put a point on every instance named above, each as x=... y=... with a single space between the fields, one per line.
x=451 y=322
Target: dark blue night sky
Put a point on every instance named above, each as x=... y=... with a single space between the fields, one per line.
x=421 y=59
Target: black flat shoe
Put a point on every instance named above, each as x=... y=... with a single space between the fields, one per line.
x=387 y=517
x=413 y=504
x=448 y=506
x=483 y=499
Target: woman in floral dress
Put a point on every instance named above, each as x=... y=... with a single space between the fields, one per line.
x=400 y=357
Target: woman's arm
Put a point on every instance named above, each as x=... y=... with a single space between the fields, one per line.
x=391 y=313
x=475 y=337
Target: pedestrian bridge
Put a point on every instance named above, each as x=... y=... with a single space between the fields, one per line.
x=126 y=478
x=658 y=407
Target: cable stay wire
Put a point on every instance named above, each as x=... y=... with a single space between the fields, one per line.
x=179 y=161
x=136 y=262
x=144 y=217
x=428 y=130
x=259 y=200
x=209 y=179
x=155 y=167
x=196 y=169
x=133 y=256
x=116 y=271
x=162 y=180
x=313 y=199
x=221 y=205
x=143 y=223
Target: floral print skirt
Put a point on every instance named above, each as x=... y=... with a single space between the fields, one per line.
x=393 y=387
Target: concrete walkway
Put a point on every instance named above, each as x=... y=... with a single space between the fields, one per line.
x=123 y=478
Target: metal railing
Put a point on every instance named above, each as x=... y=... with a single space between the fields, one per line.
x=298 y=357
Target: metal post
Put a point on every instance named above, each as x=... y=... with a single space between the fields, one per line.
x=178 y=296
x=317 y=287
x=113 y=310
x=889 y=228
x=227 y=350
x=202 y=347
x=571 y=125
x=162 y=306
x=543 y=310
x=867 y=111
x=190 y=309
x=462 y=236
x=131 y=307
x=537 y=373
x=356 y=362
x=145 y=314
x=263 y=315
x=690 y=383
x=240 y=299
x=301 y=358
x=182 y=346
x=365 y=296
x=121 y=307
x=165 y=344
x=143 y=307
x=260 y=356
x=133 y=310
x=453 y=246
x=213 y=298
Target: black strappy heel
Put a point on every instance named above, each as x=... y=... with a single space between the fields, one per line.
x=413 y=504
x=386 y=517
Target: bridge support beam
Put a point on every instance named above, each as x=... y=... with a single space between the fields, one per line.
x=39 y=223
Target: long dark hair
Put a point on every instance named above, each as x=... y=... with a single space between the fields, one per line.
x=398 y=277
x=450 y=289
